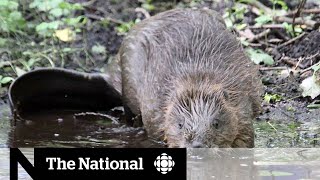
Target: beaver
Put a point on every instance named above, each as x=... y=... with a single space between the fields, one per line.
x=187 y=77
x=180 y=73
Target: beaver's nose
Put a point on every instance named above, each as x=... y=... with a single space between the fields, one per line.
x=197 y=144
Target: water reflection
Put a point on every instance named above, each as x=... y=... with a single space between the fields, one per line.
x=65 y=129
x=252 y=164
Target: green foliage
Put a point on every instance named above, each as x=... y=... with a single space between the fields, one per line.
x=125 y=27
x=289 y=29
x=258 y=56
x=147 y=4
x=314 y=105
x=39 y=40
x=315 y=68
x=47 y=28
x=11 y=19
x=281 y=3
x=263 y=19
x=98 y=49
x=5 y=80
x=235 y=14
x=272 y=98
x=58 y=13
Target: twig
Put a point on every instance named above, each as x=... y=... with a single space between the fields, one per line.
x=273 y=68
x=297 y=14
x=261 y=6
x=89 y=3
x=100 y=18
x=306 y=11
x=275 y=40
x=289 y=61
x=260 y=35
x=267 y=26
x=272 y=126
x=143 y=11
x=300 y=59
x=301 y=21
x=309 y=68
x=291 y=40
x=105 y=14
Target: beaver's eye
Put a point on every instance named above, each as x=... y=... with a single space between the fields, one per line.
x=180 y=125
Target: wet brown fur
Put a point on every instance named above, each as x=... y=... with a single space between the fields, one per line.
x=190 y=80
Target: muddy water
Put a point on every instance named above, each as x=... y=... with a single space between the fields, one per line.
x=253 y=164
x=288 y=123
x=66 y=129
x=71 y=129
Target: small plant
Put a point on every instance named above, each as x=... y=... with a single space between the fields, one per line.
x=258 y=56
x=147 y=4
x=11 y=19
x=5 y=80
x=280 y=3
x=99 y=49
x=289 y=29
x=123 y=28
x=270 y=98
x=263 y=19
x=58 y=14
x=235 y=16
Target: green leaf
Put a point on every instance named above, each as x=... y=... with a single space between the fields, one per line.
x=272 y=97
x=3 y=42
x=69 y=6
x=313 y=106
x=263 y=19
x=258 y=56
x=20 y=71
x=66 y=50
x=45 y=5
x=56 y=12
x=98 y=49
x=241 y=26
x=125 y=27
x=148 y=7
x=13 y=5
x=6 y=80
x=77 y=21
x=46 y=29
x=316 y=68
x=310 y=87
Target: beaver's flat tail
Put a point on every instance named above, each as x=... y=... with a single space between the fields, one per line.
x=57 y=88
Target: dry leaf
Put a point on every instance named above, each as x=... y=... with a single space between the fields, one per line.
x=65 y=35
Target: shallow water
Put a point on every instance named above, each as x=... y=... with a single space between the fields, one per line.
x=64 y=129
x=71 y=129
x=253 y=164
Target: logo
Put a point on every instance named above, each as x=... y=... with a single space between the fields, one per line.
x=164 y=163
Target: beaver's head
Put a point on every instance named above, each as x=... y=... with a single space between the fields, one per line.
x=200 y=117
